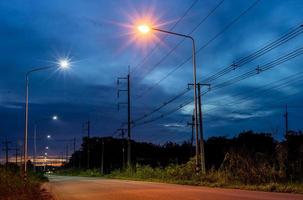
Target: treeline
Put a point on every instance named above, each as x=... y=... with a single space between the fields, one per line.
x=253 y=157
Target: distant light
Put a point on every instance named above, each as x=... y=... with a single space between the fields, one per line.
x=64 y=63
x=143 y=28
x=55 y=117
x=45 y=154
x=46 y=147
x=48 y=136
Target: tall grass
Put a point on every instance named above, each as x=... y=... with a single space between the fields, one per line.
x=12 y=186
x=241 y=174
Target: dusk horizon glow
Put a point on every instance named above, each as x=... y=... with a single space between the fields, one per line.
x=98 y=41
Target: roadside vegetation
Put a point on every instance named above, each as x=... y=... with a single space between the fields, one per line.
x=184 y=174
x=12 y=186
x=248 y=161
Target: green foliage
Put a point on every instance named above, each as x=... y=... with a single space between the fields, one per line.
x=235 y=173
x=250 y=161
x=12 y=185
x=78 y=172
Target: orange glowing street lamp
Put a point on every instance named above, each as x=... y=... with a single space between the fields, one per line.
x=145 y=29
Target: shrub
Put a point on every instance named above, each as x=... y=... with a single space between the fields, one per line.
x=12 y=185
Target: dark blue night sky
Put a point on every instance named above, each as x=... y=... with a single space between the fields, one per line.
x=98 y=36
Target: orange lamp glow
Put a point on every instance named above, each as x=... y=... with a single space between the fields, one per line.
x=144 y=28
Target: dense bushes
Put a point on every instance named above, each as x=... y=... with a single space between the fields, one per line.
x=249 y=159
x=12 y=186
x=254 y=178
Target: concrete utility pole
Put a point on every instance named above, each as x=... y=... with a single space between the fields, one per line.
x=123 y=148
x=16 y=154
x=66 y=153
x=74 y=159
x=87 y=128
x=102 y=156
x=200 y=143
x=286 y=120
x=192 y=124
x=127 y=78
x=202 y=153
x=128 y=123
x=6 y=149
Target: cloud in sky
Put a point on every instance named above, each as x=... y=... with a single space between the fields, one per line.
x=35 y=33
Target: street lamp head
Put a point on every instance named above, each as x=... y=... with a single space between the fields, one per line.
x=64 y=63
x=55 y=117
x=144 y=28
x=48 y=136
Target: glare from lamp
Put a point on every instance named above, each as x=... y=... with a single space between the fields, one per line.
x=144 y=29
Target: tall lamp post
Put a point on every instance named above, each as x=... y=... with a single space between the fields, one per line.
x=63 y=64
x=55 y=117
x=146 y=29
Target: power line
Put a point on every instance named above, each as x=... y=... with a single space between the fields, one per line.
x=212 y=39
x=260 y=69
x=174 y=26
x=178 y=44
x=263 y=89
x=201 y=48
x=295 y=31
x=234 y=80
x=292 y=33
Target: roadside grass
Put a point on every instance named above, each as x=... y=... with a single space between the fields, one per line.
x=12 y=186
x=211 y=179
x=261 y=179
x=77 y=172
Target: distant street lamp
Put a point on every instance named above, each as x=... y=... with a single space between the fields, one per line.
x=55 y=117
x=48 y=136
x=145 y=29
x=63 y=64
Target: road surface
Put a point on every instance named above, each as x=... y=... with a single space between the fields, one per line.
x=82 y=188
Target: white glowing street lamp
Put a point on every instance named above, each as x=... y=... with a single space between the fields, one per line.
x=48 y=136
x=63 y=64
x=55 y=118
x=145 y=29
